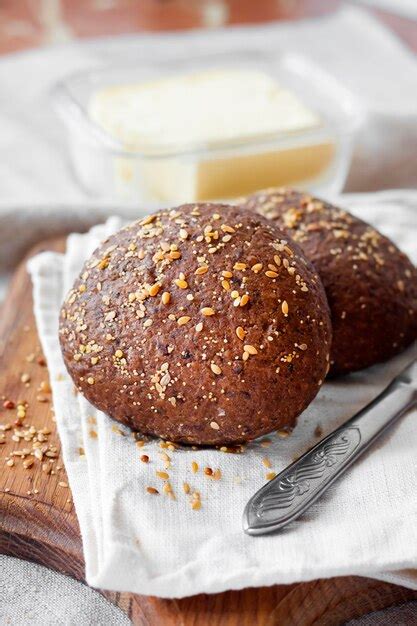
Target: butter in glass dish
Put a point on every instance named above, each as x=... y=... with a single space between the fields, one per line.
x=207 y=129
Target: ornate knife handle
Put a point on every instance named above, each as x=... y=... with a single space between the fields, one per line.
x=288 y=495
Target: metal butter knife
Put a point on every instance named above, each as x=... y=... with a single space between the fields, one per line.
x=292 y=492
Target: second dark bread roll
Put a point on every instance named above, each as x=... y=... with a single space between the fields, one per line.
x=370 y=284
x=201 y=324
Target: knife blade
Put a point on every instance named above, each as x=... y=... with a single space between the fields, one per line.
x=297 y=487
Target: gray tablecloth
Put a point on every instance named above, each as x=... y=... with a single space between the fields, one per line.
x=31 y=594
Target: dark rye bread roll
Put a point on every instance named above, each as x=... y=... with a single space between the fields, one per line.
x=200 y=324
x=370 y=284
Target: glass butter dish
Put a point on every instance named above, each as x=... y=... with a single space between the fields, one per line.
x=215 y=127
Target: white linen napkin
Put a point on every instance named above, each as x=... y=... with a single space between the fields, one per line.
x=151 y=544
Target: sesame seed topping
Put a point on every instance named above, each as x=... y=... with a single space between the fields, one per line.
x=284 y=307
x=244 y=300
x=147 y=220
x=103 y=263
x=201 y=270
x=257 y=268
x=215 y=369
x=250 y=349
x=271 y=274
x=214 y=425
x=181 y=283
x=166 y=297
x=154 y=289
x=241 y=333
x=207 y=311
x=183 y=320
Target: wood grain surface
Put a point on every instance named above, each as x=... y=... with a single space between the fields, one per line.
x=38 y=521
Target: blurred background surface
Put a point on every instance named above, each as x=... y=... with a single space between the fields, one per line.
x=31 y=23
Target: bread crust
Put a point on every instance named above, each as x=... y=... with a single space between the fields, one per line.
x=202 y=324
x=370 y=284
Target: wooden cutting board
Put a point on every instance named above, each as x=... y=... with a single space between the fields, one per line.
x=38 y=521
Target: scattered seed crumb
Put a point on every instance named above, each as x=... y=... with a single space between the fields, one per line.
x=217 y=474
x=167 y=489
x=283 y=433
x=45 y=387
x=318 y=431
